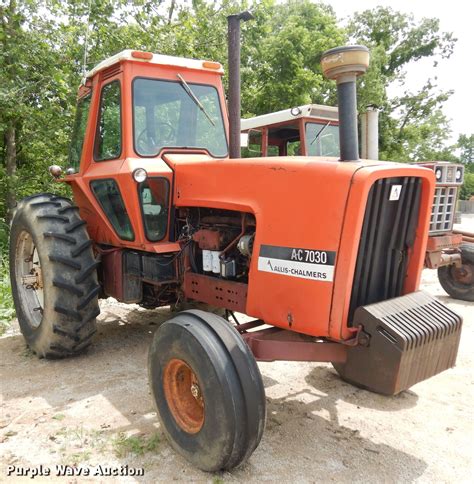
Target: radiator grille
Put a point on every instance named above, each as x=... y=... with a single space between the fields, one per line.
x=387 y=233
x=444 y=205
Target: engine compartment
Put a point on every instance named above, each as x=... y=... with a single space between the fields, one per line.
x=219 y=242
x=212 y=265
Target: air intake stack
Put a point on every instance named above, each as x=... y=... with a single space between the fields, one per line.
x=344 y=64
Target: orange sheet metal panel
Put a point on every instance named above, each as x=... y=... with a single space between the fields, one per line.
x=298 y=203
x=304 y=204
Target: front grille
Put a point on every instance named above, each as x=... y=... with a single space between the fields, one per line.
x=387 y=233
x=442 y=215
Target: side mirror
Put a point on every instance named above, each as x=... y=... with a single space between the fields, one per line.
x=55 y=171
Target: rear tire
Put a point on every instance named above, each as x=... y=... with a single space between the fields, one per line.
x=55 y=289
x=459 y=282
x=207 y=389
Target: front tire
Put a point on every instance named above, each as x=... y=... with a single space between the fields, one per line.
x=53 y=276
x=459 y=282
x=208 y=390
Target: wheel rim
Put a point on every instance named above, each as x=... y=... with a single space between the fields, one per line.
x=29 y=279
x=183 y=395
x=464 y=274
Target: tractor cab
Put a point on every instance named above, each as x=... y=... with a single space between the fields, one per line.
x=133 y=108
x=310 y=130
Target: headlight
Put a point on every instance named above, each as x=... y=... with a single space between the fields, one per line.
x=458 y=174
x=139 y=175
x=438 y=173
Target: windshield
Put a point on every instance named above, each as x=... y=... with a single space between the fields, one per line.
x=166 y=115
x=322 y=139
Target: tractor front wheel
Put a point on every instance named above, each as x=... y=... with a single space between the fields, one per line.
x=53 y=276
x=208 y=390
x=458 y=282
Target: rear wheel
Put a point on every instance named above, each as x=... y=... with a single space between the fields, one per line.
x=53 y=276
x=458 y=282
x=208 y=390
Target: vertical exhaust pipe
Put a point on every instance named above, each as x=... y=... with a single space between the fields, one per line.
x=233 y=29
x=369 y=127
x=344 y=64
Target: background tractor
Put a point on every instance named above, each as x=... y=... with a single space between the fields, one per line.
x=328 y=254
x=313 y=130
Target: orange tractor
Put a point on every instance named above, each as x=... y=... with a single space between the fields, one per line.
x=313 y=130
x=324 y=257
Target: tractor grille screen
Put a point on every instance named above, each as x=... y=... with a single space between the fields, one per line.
x=387 y=233
x=444 y=204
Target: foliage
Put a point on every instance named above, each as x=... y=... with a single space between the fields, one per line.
x=467 y=190
x=466 y=148
x=412 y=126
x=135 y=444
x=281 y=56
x=7 y=311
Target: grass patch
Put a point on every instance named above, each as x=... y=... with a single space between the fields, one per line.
x=135 y=444
x=59 y=416
x=7 y=310
x=79 y=457
x=76 y=445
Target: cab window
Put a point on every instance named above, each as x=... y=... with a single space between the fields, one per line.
x=108 y=195
x=79 y=131
x=153 y=195
x=108 y=139
x=322 y=139
x=254 y=146
x=273 y=150
x=293 y=148
x=170 y=114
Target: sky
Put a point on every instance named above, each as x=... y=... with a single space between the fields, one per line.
x=457 y=72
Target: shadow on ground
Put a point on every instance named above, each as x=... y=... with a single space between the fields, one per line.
x=114 y=370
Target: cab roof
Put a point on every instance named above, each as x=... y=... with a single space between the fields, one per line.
x=166 y=60
x=319 y=111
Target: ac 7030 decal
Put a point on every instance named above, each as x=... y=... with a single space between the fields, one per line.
x=317 y=265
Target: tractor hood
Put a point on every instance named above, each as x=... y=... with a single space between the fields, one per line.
x=304 y=203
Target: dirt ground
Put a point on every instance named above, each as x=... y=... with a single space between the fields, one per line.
x=96 y=410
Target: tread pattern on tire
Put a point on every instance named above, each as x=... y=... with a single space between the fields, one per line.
x=74 y=277
x=456 y=289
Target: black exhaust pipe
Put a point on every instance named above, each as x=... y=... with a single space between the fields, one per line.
x=233 y=24
x=344 y=64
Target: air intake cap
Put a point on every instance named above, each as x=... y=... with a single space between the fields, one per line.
x=339 y=62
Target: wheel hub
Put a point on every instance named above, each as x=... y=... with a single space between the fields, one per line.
x=34 y=280
x=464 y=274
x=30 y=279
x=183 y=395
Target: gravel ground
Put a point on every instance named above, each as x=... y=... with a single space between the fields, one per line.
x=96 y=410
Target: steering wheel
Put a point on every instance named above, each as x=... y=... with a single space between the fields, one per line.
x=148 y=144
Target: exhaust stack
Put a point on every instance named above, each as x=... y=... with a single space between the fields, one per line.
x=344 y=64
x=369 y=127
x=233 y=24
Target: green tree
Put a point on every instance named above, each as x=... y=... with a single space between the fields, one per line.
x=466 y=151
x=33 y=95
x=281 y=55
x=412 y=126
